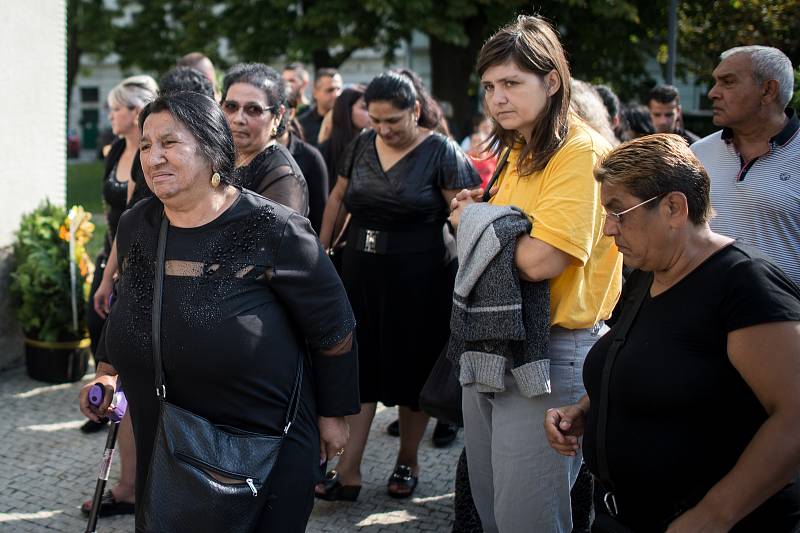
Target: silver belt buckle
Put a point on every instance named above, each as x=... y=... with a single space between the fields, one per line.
x=371 y=241
x=611 y=504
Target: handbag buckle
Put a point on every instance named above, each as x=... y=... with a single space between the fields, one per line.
x=371 y=241
x=611 y=504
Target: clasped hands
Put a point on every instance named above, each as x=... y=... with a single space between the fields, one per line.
x=464 y=198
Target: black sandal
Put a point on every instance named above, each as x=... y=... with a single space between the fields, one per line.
x=333 y=490
x=109 y=506
x=402 y=476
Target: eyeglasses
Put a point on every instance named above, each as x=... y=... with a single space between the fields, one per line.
x=617 y=217
x=251 y=110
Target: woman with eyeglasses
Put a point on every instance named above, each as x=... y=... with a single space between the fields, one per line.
x=254 y=102
x=690 y=418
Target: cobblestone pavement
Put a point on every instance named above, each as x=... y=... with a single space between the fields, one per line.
x=49 y=468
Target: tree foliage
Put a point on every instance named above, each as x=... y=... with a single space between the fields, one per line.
x=709 y=27
x=606 y=40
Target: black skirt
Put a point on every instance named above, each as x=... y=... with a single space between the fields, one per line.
x=402 y=307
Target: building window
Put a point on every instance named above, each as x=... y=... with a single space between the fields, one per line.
x=90 y=94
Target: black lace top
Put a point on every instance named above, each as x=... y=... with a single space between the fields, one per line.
x=243 y=298
x=274 y=174
x=410 y=192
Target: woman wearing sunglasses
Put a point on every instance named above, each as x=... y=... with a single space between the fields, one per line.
x=254 y=102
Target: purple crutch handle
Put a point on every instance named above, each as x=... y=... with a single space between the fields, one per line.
x=118 y=405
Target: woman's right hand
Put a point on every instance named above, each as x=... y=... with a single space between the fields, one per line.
x=563 y=426
x=102 y=297
x=91 y=412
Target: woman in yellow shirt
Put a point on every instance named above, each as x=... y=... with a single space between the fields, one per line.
x=518 y=484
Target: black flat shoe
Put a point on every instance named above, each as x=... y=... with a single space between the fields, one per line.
x=444 y=434
x=90 y=426
x=109 y=506
x=393 y=429
x=330 y=489
x=403 y=477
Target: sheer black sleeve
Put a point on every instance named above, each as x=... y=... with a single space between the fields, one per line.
x=454 y=170
x=308 y=285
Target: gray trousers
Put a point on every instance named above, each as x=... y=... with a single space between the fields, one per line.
x=520 y=484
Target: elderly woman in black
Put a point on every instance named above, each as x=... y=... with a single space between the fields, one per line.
x=396 y=180
x=247 y=290
x=254 y=102
x=690 y=423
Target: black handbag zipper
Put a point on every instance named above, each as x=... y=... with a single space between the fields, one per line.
x=205 y=468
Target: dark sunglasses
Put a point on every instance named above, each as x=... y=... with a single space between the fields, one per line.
x=251 y=110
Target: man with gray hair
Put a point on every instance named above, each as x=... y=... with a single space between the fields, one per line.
x=754 y=161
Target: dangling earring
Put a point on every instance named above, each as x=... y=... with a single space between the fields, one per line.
x=215 y=179
x=274 y=131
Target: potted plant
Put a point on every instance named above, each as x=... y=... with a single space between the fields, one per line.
x=49 y=287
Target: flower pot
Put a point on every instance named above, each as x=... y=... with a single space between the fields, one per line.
x=56 y=362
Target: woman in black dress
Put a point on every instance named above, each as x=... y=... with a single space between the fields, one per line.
x=254 y=102
x=396 y=180
x=247 y=290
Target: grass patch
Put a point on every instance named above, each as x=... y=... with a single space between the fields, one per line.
x=85 y=185
x=85 y=188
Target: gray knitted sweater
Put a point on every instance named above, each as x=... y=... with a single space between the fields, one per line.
x=499 y=323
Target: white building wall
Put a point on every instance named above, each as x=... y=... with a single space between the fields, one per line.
x=33 y=108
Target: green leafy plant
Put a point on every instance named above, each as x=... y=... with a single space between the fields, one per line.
x=40 y=279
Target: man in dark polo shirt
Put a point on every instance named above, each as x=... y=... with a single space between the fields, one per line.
x=664 y=104
x=327 y=87
x=754 y=161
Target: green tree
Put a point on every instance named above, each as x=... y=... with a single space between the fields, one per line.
x=709 y=27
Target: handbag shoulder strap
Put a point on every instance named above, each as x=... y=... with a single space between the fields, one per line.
x=158 y=291
x=501 y=165
x=630 y=309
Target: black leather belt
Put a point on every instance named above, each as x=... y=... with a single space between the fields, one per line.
x=383 y=242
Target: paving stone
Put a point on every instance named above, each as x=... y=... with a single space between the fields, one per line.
x=49 y=469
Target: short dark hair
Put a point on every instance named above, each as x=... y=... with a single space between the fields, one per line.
x=637 y=119
x=262 y=77
x=297 y=66
x=656 y=165
x=664 y=94
x=182 y=79
x=207 y=124
x=610 y=100
x=325 y=73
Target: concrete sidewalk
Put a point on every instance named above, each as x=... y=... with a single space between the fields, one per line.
x=49 y=468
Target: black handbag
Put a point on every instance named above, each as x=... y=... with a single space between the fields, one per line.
x=440 y=397
x=203 y=477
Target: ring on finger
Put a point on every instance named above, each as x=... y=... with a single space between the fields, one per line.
x=340 y=452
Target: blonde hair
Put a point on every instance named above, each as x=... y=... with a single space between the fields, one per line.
x=134 y=92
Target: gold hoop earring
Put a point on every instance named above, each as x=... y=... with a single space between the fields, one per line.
x=215 y=180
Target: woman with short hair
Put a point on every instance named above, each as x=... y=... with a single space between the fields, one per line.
x=517 y=483
x=690 y=422
x=248 y=294
x=254 y=102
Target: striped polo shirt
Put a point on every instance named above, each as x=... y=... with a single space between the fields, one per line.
x=758 y=202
